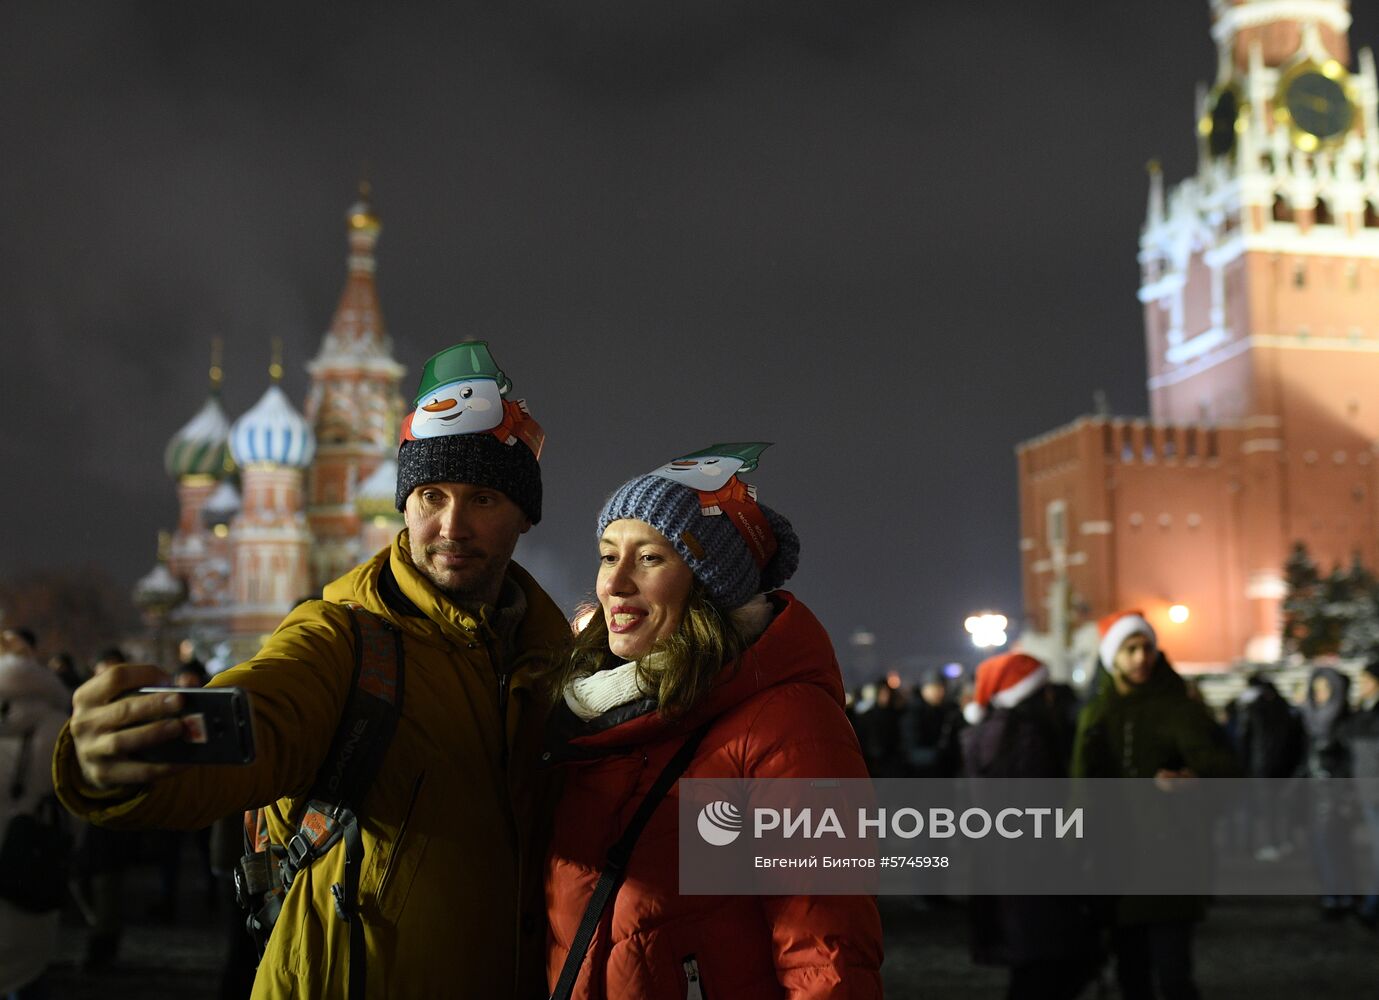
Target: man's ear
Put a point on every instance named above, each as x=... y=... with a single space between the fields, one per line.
x=526 y=526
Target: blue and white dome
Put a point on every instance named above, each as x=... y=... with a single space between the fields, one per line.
x=198 y=449
x=272 y=431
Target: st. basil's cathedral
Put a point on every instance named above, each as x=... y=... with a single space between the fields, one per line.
x=279 y=502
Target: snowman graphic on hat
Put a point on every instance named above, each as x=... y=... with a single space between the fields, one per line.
x=463 y=391
x=712 y=473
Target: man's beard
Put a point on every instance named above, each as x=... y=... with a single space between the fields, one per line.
x=478 y=583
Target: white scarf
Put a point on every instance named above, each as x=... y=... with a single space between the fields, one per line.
x=591 y=696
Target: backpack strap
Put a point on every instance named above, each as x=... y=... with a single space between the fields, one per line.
x=615 y=865
x=330 y=815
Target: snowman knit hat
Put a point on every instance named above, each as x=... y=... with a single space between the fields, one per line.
x=736 y=547
x=1118 y=626
x=502 y=456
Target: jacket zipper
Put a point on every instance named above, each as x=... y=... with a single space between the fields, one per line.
x=693 y=989
x=401 y=835
x=487 y=647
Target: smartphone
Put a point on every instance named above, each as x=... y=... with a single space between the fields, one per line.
x=219 y=728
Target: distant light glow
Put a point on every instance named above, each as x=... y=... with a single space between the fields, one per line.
x=987 y=629
x=952 y=670
x=893 y=680
x=1178 y=614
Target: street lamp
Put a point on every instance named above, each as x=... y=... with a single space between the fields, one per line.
x=987 y=629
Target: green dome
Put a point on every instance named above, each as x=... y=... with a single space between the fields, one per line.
x=201 y=446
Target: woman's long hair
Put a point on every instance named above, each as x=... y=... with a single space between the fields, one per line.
x=678 y=670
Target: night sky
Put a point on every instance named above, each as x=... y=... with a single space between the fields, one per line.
x=895 y=239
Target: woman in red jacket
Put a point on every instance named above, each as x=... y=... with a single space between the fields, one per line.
x=691 y=632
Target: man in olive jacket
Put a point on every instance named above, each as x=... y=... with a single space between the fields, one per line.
x=453 y=825
x=1141 y=723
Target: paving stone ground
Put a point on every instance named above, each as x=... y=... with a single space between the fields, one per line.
x=1248 y=949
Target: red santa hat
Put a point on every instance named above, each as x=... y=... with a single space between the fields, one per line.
x=1118 y=626
x=1003 y=682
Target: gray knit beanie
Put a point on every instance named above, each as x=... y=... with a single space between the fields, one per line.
x=711 y=544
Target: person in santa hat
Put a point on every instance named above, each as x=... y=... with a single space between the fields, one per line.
x=1017 y=732
x=1143 y=724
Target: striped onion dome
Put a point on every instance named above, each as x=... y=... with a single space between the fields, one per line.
x=272 y=431
x=222 y=505
x=198 y=449
x=376 y=494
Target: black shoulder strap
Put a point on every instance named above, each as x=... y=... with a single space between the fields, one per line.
x=356 y=753
x=370 y=716
x=615 y=866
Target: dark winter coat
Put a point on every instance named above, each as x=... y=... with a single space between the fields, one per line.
x=1359 y=734
x=1327 y=756
x=1023 y=742
x=1153 y=727
x=777 y=713
x=929 y=739
x=1270 y=733
x=878 y=733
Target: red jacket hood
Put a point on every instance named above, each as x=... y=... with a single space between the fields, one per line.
x=794 y=649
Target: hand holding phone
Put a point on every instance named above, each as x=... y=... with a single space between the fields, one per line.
x=217 y=728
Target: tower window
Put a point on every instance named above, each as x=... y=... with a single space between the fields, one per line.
x=1321 y=215
x=1371 y=216
x=1056 y=523
x=1283 y=212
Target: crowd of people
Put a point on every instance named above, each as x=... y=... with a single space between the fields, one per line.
x=447 y=782
x=1140 y=719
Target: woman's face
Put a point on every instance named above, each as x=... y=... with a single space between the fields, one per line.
x=1321 y=690
x=643 y=586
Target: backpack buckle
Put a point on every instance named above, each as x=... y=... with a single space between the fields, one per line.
x=299 y=852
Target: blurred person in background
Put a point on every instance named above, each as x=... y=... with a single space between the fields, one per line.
x=1324 y=715
x=1048 y=942
x=929 y=730
x=33 y=707
x=1360 y=735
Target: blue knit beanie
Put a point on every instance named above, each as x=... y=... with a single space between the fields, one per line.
x=712 y=546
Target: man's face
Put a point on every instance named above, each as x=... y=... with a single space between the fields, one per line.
x=933 y=693
x=1366 y=686
x=1134 y=660
x=462 y=537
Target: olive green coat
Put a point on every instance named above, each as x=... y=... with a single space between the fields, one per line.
x=1153 y=727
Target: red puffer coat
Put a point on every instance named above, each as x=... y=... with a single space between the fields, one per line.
x=779 y=714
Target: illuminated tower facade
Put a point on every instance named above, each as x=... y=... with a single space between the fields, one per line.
x=352 y=406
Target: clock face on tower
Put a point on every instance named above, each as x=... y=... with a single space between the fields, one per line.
x=1312 y=99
